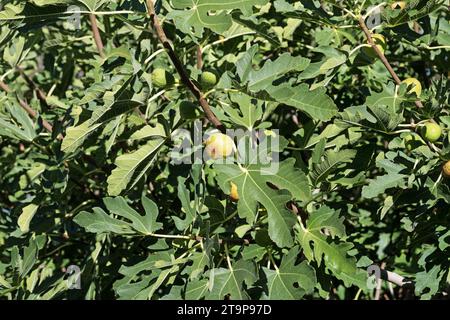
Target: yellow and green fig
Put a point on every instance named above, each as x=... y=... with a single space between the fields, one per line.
x=161 y=78
x=219 y=145
x=413 y=86
x=431 y=131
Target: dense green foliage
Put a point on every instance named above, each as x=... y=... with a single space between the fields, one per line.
x=88 y=180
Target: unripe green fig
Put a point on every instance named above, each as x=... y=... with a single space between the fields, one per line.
x=219 y=145
x=189 y=110
x=208 y=79
x=414 y=86
x=431 y=131
x=162 y=78
x=380 y=42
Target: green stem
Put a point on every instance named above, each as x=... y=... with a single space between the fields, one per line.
x=227 y=253
x=272 y=260
x=231 y=216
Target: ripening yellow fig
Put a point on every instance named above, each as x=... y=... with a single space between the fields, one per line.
x=398 y=5
x=219 y=145
x=380 y=42
x=446 y=169
x=415 y=86
x=234 y=196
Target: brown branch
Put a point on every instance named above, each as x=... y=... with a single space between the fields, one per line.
x=382 y=57
x=28 y=109
x=40 y=94
x=96 y=32
x=180 y=68
x=378 y=290
x=4 y=87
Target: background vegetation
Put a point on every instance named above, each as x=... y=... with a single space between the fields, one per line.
x=86 y=178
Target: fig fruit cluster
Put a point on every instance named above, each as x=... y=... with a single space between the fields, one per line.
x=430 y=131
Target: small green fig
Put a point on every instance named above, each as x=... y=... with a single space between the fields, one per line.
x=161 y=78
x=431 y=131
x=208 y=79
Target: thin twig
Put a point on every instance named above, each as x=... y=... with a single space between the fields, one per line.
x=96 y=32
x=180 y=68
x=4 y=87
x=378 y=290
x=40 y=94
x=375 y=8
x=28 y=109
x=198 y=238
x=199 y=57
x=382 y=57
x=377 y=50
x=223 y=40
